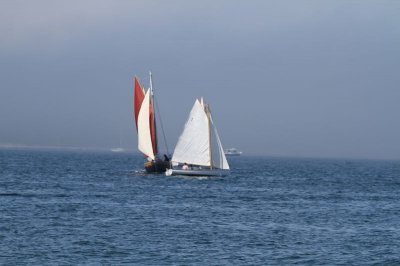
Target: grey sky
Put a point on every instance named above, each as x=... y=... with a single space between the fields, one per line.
x=292 y=78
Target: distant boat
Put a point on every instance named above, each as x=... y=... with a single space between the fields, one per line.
x=232 y=152
x=199 y=150
x=145 y=118
x=118 y=150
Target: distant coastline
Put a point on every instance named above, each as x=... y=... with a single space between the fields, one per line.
x=56 y=148
x=4 y=146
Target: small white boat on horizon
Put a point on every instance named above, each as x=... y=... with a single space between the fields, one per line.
x=118 y=150
x=233 y=152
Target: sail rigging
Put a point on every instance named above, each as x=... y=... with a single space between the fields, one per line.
x=199 y=143
x=146 y=112
x=145 y=119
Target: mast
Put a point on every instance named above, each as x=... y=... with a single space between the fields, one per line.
x=152 y=118
x=151 y=83
x=207 y=109
x=158 y=114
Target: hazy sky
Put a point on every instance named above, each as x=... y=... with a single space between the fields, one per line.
x=291 y=78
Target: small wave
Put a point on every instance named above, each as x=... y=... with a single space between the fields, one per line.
x=9 y=194
x=137 y=172
x=32 y=195
x=100 y=195
x=23 y=195
x=195 y=177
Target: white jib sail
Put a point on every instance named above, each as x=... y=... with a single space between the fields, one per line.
x=144 y=135
x=218 y=154
x=193 y=144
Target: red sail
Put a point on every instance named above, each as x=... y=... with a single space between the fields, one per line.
x=153 y=130
x=138 y=99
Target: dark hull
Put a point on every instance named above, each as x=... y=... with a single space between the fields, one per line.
x=156 y=166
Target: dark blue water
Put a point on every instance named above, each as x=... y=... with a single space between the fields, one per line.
x=98 y=208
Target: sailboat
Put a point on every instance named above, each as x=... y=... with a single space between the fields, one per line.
x=119 y=148
x=199 y=149
x=145 y=119
x=232 y=152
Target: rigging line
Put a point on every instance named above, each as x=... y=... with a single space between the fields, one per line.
x=159 y=118
x=162 y=126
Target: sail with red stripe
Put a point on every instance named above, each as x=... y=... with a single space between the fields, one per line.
x=145 y=108
x=145 y=119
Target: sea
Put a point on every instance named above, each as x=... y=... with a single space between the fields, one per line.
x=100 y=208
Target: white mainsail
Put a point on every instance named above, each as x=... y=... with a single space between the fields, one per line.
x=144 y=135
x=194 y=144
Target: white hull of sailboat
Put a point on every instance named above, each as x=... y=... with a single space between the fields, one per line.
x=215 y=172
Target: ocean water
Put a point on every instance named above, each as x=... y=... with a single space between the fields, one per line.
x=63 y=208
